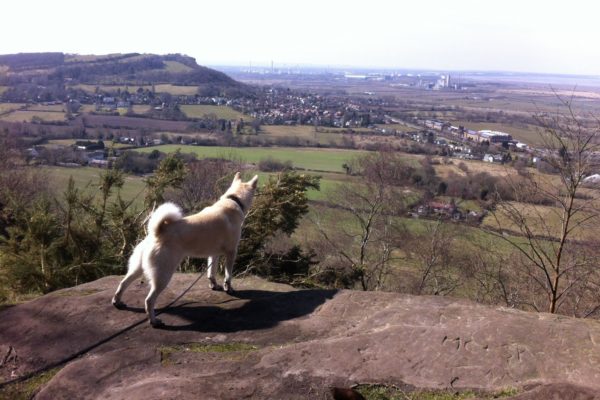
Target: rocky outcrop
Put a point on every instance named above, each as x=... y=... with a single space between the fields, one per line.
x=270 y=341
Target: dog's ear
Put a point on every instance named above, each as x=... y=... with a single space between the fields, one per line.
x=254 y=182
x=237 y=177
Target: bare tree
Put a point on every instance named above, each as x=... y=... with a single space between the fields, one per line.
x=551 y=240
x=437 y=259
x=204 y=182
x=363 y=246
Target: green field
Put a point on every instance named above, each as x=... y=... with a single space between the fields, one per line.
x=328 y=160
x=545 y=221
x=87 y=178
x=221 y=112
x=27 y=116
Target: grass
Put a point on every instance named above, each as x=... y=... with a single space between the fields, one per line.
x=329 y=181
x=233 y=350
x=161 y=88
x=27 y=389
x=27 y=116
x=222 y=112
x=87 y=108
x=8 y=107
x=140 y=108
x=545 y=221
x=46 y=108
x=327 y=160
x=302 y=132
x=176 y=90
x=177 y=67
x=87 y=178
x=381 y=392
x=475 y=166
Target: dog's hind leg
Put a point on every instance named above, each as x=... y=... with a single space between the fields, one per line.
x=213 y=261
x=160 y=271
x=150 y=302
x=229 y=260
x=157 y=286
x=133 y=272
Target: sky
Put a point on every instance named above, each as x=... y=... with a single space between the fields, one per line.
x=510 y=35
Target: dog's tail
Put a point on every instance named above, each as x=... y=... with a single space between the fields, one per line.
x=164 y=214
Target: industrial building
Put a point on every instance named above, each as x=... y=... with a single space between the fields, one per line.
x=489 y=135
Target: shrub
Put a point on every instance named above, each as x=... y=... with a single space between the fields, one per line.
x=272 y=165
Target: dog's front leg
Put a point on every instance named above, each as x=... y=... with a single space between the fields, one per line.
x=229 y=260
x=213 y=261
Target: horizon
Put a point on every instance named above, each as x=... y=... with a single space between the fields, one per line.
x=466 y=36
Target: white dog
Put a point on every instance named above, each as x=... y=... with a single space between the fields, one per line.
x=212 y=232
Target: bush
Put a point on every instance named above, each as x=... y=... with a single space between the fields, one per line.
x=272 y=165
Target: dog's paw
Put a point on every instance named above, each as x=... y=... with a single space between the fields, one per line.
x=119 y=305
x=212 y=284
x=227 y=287
x=157 y=323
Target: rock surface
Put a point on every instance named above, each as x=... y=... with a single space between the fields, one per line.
x=270 y=341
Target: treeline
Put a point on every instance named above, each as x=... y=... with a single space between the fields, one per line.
x=49 y=241
x=23 y=61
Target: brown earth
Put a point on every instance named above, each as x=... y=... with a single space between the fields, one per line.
x=270 y=341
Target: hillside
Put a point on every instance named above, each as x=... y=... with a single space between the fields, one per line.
x=58 y=76
x=270 y=341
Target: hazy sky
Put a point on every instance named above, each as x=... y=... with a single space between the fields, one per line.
x=509 y=35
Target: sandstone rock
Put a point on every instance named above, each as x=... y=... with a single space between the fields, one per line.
x=270 y=341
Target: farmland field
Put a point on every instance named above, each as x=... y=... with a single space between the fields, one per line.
x=160 y=88
x=328 y=160
x=87 y=108
x=302 y=132
x=8 y=107
x=222 y=112
x=134 y=123
x=176 y=90
x=545 y=220
x=140 y=108
x=87 y=178
x=46 y=108
x=26 y=116
x=136 y=108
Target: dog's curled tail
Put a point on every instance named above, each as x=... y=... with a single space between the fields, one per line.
x=164 y=214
